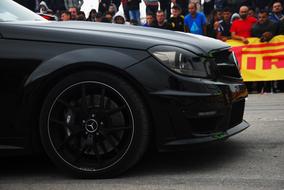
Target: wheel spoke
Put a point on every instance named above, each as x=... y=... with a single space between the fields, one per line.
x=96 y=150
x=70 y=126
x=84 y=104
x=102 y=98
x=68 y=139
x=117 y=128
x=65 y=142
x=110 y=141
x=116 y=110
x=81 y=154
x=63 y=123
x=103 y=146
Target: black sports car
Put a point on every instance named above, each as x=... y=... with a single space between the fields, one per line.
x=95 y=96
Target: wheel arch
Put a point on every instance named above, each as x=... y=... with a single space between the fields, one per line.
x=99 y=56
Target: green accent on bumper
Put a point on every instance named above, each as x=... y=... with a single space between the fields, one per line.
x=219 y=135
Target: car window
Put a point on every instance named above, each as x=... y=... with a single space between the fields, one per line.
x=11 y=11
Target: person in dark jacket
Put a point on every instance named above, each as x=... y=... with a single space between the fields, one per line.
x=176 y=22
x=150 y=19
x=224 y=27
x=212 y=27
x=160 y=20
x=264 y=28
x=277 y=15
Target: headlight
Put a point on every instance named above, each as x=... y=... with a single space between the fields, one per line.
x=182 y=61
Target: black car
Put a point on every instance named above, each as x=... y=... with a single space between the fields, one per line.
x=96 y=96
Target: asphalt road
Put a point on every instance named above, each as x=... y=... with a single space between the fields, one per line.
x=254 y=159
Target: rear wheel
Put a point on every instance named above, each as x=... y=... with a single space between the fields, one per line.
x=94 y=124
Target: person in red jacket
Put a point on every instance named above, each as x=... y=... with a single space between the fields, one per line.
x=241 y=28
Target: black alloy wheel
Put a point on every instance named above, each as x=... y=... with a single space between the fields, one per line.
x=94 y=124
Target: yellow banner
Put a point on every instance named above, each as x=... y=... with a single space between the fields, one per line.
x=260 y=61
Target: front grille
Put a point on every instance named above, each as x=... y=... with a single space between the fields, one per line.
x=227 y=65
x=237 y=113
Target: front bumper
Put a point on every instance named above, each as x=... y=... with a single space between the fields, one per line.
x=210 y=137
x=188 y=110
x=194 y=118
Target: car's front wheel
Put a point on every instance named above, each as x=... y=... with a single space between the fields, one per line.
x=94 y=124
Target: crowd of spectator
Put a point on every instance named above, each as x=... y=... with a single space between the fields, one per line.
x=220 y=19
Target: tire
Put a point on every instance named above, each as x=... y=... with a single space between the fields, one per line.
x=93 y=124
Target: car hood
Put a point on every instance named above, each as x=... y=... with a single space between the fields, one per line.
x=114 y=35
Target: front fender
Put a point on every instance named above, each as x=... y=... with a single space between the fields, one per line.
x=119 y=58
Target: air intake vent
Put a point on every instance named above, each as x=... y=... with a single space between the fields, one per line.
x=227 y=64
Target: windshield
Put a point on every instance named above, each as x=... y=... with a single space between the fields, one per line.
x=11 y=11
